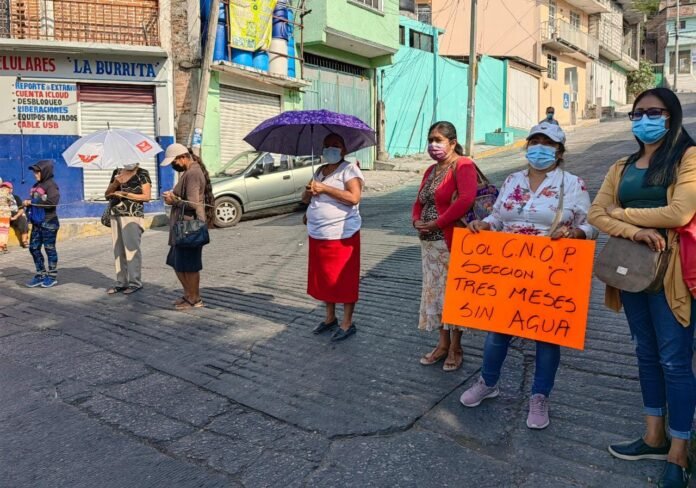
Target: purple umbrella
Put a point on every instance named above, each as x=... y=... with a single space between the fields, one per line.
x=302 y=132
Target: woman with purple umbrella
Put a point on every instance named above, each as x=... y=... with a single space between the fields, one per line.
x=333 y=196
x=333 y=225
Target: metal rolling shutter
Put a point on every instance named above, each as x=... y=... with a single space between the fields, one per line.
x=523 y=99
x=240 y=112
x=122 y=108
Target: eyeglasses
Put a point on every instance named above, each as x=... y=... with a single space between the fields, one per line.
x=652 y=113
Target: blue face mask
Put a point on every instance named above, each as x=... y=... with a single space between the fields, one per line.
x=650 y=131
x=541 y=157
x=332 y=155
x=549 y=116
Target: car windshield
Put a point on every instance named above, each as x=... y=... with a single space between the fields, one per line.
x=238 y=164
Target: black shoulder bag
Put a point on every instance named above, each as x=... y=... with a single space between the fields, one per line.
x=190 y=233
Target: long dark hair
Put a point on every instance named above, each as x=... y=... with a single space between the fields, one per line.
x=208 y=197
x=448 y=130
x=664 y=164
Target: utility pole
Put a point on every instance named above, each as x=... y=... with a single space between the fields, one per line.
x=676 y=49
x=204 y=84
x=473 y=68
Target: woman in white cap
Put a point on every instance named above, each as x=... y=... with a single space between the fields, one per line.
x=191 y=198
x=529 y=204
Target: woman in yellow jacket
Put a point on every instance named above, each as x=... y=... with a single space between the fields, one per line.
x=644 y=198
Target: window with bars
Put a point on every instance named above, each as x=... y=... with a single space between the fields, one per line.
x=421 y=41
x=5 y=31
x=425 y=13
x=375 y=4
x=340 y=66
x=551 y=67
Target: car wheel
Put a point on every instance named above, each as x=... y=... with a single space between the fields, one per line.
x=228 y=211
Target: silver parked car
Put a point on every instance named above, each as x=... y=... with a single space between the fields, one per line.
x=256 y=180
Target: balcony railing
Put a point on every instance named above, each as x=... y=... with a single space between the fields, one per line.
x=98 y=21
x=570 y=38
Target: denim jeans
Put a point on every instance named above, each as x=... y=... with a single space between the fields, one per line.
x=44 y=235
x=664 y=349
x=548 y=357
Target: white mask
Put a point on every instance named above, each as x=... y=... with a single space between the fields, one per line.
x=332 y=155
x=130 y=166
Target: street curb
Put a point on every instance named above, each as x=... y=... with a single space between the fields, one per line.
x=498 y=150
x=80 y=228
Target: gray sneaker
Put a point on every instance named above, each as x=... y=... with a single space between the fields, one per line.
x=478 y=393
x=538 y=417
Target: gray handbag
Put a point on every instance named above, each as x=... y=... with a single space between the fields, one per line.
x=631 y=266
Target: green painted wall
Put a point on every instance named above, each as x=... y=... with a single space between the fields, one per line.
x=421 y=87
x=355 y=20
x=210 y=149
x=292 y=99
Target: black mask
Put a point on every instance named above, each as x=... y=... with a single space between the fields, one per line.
x=178 y=167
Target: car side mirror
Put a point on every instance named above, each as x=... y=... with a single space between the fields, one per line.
x=256 y=171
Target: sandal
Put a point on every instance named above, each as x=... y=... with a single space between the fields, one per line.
x=180 y=301
x=132 y=289
x=188 y=304
x=430 y=358
x=116 y=289
x=450 y=366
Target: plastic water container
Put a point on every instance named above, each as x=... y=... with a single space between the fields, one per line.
x=222 y=14
x=279 y=29
x=278 y=61
x=291 y=60
x=220 y=51
x=291 y=44
x=261 y=60
x=205 y=10
x=244 y=58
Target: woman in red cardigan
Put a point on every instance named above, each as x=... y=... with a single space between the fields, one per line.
x=435 y=214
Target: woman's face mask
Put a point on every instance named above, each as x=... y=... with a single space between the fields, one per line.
x=438 y=151
x=541 y=157
x=130 y=166
x=650 y=131
x=332 y=155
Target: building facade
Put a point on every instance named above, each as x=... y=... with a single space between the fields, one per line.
x=246 y=86
x=683 y=62
x=345 y=41
x=72 y=67
x=570 y=53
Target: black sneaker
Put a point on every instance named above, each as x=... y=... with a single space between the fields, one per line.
x=637 y=450
x=341 y=335
x=674 y=476
x=323 y=327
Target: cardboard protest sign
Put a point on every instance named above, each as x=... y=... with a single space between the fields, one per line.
x=526 y=286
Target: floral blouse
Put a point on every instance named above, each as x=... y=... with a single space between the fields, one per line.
x=429 y=212
x=519 y=210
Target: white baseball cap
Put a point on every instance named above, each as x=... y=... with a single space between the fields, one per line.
x=173 y=151
x=552 y=131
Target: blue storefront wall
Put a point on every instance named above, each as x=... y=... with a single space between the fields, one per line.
x=421 y=87
x=18 y=152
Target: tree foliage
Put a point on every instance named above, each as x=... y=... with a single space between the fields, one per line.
x=648 y=7
x=641 y=79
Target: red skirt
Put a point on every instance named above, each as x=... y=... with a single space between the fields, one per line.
x=334 y=269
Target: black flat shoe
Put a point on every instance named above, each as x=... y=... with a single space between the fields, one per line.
x=323 y=327
x=637 y=450
x=341 y=335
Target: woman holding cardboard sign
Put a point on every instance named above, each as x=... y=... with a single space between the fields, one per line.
x=646 y=198
x=541 y=200
x=446 y=194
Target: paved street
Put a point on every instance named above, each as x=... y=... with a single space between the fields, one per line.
x=102 y=391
